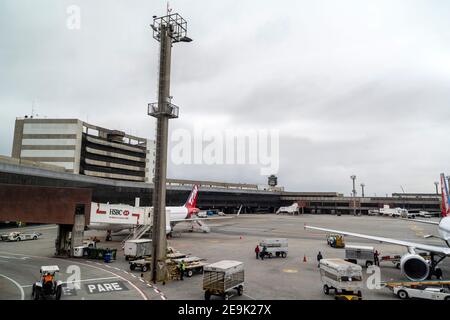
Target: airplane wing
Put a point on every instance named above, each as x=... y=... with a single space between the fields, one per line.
x=423 y=221
x=200 y=219
x=412 y=245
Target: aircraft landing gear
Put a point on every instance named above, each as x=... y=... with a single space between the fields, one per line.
x=434 y=269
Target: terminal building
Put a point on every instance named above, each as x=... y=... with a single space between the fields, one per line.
x=85 y=149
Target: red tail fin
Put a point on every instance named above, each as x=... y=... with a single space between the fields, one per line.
x=445 y=198
x=191 y=202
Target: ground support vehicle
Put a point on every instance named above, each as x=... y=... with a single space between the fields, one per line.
x=48 y=285
x=343 y=277
x=223 y=278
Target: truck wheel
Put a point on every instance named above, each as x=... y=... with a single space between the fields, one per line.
x=145 y=268
x=34 y=238
x=402 y=294
x=240 y=289
x=368 y=263
x=207 y=295
x=397 y=266
x=270 y=255
x=283 y=254
x=132 y=266
x=58 y=293
x=359 y=294
x=447 y=298
x=326 y=290
x=226 y=296
x=277 y=254
x=190 y=273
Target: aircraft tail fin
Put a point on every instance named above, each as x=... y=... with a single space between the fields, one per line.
x=191 y=202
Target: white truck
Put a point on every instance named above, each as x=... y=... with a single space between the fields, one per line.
x=19 y=236
x=223 y=277
x=421 y=292
x=136 y=249
x=343 y=277
x=360 y=255
x=273 y=247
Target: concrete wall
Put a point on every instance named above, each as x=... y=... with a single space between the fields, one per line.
x=35 y=204
x=150 y=161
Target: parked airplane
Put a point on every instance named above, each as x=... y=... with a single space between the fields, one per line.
x=104 y=216
x=292 y=209
x=414 y=266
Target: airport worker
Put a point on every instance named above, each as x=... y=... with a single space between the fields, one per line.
x=257 y=251
x=375 y=258
x=182 y=268
x=319 y=257
x=48 y=278
x=263 y=252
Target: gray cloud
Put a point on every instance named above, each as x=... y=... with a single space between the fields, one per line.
x=353 y=87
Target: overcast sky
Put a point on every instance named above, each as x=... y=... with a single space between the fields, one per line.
x=355 y=87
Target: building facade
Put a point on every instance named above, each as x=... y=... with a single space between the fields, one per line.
x=82 y=148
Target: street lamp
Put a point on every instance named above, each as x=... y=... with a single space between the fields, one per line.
x=353 y=177
x=362 y=189
x=167 y=30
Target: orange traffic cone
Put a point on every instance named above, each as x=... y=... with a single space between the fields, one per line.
x=304 y=258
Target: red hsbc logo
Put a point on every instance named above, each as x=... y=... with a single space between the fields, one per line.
x=126 y=213
x=100 y=211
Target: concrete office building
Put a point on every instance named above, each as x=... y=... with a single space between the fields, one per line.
x=83 y=148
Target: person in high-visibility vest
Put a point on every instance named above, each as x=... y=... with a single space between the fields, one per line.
x=181 y=268
x=48 y=278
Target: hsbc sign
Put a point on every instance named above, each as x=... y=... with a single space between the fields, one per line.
x=120 y=214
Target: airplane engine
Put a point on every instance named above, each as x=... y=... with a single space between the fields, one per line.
x=414 y=267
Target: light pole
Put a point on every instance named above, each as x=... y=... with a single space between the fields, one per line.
x=362 y=189
x=353 y=177
x=436 y=184
x=167 y=30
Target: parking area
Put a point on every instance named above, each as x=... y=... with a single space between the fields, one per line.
x=294 y=277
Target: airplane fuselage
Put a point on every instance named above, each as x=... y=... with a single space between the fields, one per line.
x=444 y=229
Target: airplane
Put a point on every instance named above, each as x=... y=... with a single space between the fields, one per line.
x=412 y=265
x=174 y=215
x=291 y=209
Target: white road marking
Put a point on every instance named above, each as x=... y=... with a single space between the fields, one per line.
x=248 y=296
x=129 y=282
x=88 y=265
x=22 y=294
x=133 y=276
x=141 y=280
x=94 y=279
x=8 y=257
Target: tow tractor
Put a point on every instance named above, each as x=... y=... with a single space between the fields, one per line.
x=336 y=240
x=18 y=236
x=430 y=290
x=48 y=285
